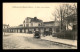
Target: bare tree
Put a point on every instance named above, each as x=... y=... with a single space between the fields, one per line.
x=59 y=14
x=71 y=13
x=63 y=12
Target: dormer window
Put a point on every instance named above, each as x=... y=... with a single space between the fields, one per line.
x=24 y=22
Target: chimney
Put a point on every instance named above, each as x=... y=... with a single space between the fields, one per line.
x=35 y=17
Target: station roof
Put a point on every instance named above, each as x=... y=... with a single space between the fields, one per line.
x=31 y=27
x=50 y=22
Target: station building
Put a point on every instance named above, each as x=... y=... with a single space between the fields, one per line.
x=34 y=24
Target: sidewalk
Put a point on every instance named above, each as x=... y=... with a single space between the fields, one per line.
x=66 y=41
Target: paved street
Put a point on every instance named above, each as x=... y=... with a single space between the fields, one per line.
x=26 y=41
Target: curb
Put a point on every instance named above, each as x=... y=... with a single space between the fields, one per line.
x=62 y=44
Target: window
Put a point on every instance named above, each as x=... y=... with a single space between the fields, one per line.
x=47 y=29
x=38 y=24
x=24 y=22
x=7 y=26
x=31 y=24
x=27 y=25
x=24 y=25
x=41 y=24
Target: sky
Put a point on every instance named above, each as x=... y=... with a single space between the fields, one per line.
x=15 y=13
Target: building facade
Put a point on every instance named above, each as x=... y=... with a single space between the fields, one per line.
x=5 y=26
x=34 y=24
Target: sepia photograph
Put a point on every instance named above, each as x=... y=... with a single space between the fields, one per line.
x=32 y=25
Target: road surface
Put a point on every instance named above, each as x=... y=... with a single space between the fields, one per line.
x=26 y=41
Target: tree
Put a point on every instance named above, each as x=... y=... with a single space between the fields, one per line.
x=59 y=14
x=71 y=12
x=62 y=14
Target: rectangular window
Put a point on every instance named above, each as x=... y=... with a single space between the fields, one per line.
x=47 y=29
x=38 y=24
x=31 y=24
x=24 y=25
x=27 y=25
